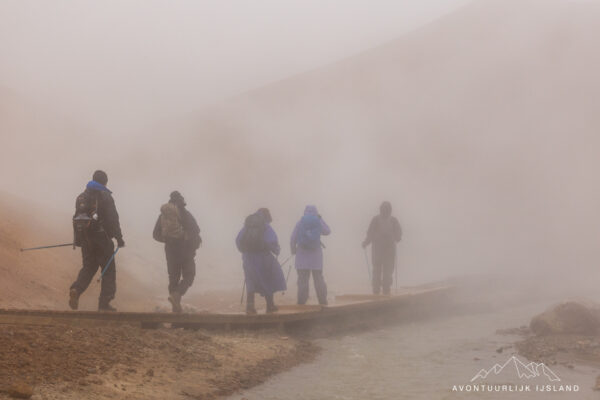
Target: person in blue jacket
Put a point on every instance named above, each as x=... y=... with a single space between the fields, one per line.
x=258 y=243
x=306 y=245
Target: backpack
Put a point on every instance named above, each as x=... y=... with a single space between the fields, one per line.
x=309 y=232
x=171 y=227
x=86 y=217
x=253 y=238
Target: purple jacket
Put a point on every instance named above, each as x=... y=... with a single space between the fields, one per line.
x=308 y=258
x=262 y=271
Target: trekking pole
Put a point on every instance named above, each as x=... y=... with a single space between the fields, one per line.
x=288 y=274
x=243 y=292
x=108 y=263
x=47 y=247
x=286 y=261
x=367 y=261
x=396 y=270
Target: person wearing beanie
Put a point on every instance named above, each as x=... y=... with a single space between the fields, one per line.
x=383 y=234
x=96 y=224
x=177 y=228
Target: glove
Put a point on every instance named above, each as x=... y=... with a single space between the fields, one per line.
x=120 y=242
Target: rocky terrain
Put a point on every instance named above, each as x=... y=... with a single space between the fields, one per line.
x=567 y=333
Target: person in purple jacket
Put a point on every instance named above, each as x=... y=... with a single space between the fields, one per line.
x=306 y=245
x=257 y=241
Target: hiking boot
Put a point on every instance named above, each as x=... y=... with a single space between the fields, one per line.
x=175 y=300
x=106 y=307
x=74 y=299
x=272 y=309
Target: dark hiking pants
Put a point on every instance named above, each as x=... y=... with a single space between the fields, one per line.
x=95 y=254
x=181 y=268
x=320 y=286
x=250 y=300
x=383 y=273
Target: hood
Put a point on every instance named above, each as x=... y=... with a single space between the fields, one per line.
x=93 y=185
x=311 y=210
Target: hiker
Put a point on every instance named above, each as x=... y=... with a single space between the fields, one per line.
x=257 y=241
x=178 y=230
x=308 y=249
x=383 y=234
x=95 y=225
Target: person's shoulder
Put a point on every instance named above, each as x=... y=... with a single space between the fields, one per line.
x=105 y=195
x=188 y=214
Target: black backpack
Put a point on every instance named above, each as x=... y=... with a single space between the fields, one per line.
x=85 y=218
x=253 y=238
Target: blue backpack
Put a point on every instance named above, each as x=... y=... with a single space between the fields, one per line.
x=309 y=232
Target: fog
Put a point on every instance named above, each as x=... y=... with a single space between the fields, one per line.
x=476 y=121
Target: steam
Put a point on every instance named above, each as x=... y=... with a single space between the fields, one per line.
x=479 y=128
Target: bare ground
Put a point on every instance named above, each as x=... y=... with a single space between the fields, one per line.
x=566 y=349
x=126 y=362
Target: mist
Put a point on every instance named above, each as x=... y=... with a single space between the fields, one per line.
x=475 y=120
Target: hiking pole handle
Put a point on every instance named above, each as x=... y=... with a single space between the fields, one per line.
x=108 y=263
x=47 y=247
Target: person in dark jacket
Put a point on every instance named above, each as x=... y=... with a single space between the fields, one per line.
x=98 y=247
x=383 y=234
x=181 y=243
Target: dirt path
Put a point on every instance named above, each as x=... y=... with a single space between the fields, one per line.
x=130 y=363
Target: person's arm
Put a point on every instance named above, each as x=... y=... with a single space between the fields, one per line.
x=324 y=227
x=157 y=233
x=193 y=231
x=272 y=241
x=112 y=224
x=397 y=230
x=238 y=239
x=369 y=239
x=294 y=240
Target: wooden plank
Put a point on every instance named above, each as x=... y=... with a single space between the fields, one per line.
x=347 y=305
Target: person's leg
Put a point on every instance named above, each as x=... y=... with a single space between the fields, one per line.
x=271 y=308
x=320 y=286
x=85 y=276
x=303 y=275
x=250 y=309
x=188 y=273
x=377 y=269
x=388 y=273
x=109 y=280
x=174 y=269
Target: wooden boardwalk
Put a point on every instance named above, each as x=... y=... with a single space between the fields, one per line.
x=354 y=308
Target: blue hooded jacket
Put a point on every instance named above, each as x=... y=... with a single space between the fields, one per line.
x=308 y=258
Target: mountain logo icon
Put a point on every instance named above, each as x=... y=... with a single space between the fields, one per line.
x=527 y=371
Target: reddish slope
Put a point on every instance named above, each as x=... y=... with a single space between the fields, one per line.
x=41 y=279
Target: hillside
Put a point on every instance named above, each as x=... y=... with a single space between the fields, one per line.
x=480 y=127
x=41 y=279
